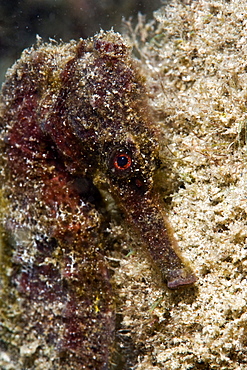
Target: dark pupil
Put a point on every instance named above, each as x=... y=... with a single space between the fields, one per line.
x=122 y=161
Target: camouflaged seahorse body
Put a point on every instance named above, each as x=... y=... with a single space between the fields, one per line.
x=74 y=116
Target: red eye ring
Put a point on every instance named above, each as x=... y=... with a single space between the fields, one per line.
x=122 y=161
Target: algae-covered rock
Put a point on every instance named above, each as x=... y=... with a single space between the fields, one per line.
x=196 y=58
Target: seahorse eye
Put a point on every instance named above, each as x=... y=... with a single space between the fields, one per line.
x=122 y=161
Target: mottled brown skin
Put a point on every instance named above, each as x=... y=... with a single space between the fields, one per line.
x=74 y=119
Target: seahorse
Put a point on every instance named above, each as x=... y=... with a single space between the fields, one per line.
x=75 y=116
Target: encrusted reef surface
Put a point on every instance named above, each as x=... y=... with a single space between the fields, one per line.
x=197 y=59
x=194 y=57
